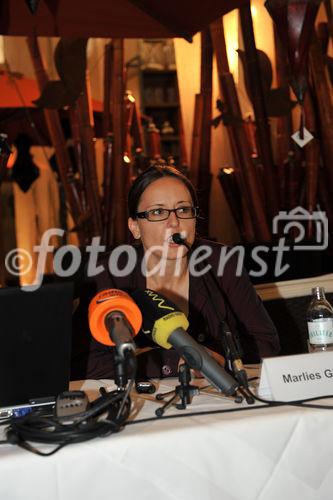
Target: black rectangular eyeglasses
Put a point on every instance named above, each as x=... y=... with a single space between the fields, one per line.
x=159 y=214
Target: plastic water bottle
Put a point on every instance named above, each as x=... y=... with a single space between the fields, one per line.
x=320 y=322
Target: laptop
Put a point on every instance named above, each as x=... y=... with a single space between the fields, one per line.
x=35 y=346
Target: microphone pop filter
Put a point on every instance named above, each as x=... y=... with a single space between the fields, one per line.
x=106 y=302
x=160 y=316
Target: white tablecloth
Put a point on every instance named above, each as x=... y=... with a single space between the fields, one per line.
x=268 y=453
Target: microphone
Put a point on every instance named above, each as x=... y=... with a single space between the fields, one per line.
x=178 y=238
x=230 y=348
x=114 y=319
x=166 y=325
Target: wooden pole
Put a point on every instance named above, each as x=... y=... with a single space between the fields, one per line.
x=325 y=196
x=312 y=160
x=107 y=202
x=108 y=144
x=259 y=107
x=230 y=188
x=206 y=84
x=324 y=103
x=87 y=134
x=154 y=142
x=283 y=123
x=136 y=128
x=246 y=175
x=118 y=221
x=57 y=137
x=77 y=146
x=183 y=159
x=196 y=140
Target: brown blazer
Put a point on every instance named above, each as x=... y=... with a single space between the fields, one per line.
x=237 y=302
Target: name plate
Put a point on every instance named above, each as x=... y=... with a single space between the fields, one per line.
x=301 y=376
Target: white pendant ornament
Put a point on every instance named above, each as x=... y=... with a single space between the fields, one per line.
x=302 y=141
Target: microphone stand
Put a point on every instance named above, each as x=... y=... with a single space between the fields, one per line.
x=232 y=355
x=123 y=358
x=183 y=392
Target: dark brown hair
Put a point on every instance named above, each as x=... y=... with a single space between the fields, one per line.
x=153 y=174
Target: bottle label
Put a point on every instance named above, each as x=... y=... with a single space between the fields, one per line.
x=321 y=331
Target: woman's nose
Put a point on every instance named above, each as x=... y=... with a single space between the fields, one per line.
x=173 y=220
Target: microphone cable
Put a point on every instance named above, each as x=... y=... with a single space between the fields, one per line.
x=36 y=428
x=106 y=415
x=304 y=403
x=39 y=428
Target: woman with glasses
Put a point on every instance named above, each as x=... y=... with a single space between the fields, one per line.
x=163 y=203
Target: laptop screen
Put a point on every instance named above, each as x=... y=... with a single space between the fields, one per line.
x=35 y=342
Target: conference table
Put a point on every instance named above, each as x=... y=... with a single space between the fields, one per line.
x=256 y=453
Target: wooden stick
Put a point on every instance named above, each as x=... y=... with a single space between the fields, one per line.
x=108 y=144
x=229 y=185
x=87 y=134
x=294 y=178
x=58 y=141
x=118 y=220
x=154 y=142
x=183 y=158
x=128 y=120
x=259 y=107
x=196 y=140
x=325 y=195
x=136 y=128
x=108 y=65
x=206 y=84
x=246 y=175
x=77 y=146
x=312 y=158
x=107 y=203
x=283 y=123
x=324 y=103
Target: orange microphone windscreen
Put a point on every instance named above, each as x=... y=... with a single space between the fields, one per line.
x=106 y=302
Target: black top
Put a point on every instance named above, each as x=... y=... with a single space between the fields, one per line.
x=237 y=302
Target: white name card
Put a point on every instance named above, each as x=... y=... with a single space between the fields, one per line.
x=301 y=376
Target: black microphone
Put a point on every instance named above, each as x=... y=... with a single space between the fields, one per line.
x=166 y=325
x=178 y=238
x=230 y=348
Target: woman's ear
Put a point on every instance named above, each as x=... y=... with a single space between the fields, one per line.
x=134 y=228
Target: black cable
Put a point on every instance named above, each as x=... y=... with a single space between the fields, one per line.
x=39 y=429
x=50 y=430
x=87 y=425
x=301 y=403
